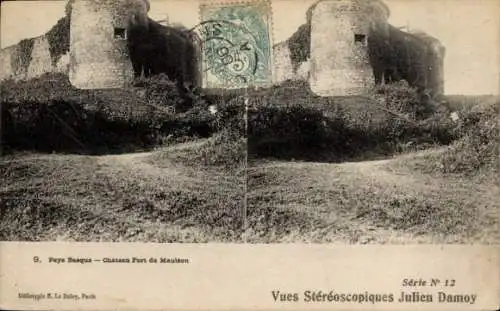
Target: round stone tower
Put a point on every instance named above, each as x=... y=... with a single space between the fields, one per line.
x=340 y=62
x=99 y=56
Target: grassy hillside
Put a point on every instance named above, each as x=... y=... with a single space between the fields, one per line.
x=130 y=197
x=142 y=164
x=74 y=171
x=446 y=193
x=368 y=202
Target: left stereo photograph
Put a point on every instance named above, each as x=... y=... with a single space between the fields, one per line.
x=109 y=133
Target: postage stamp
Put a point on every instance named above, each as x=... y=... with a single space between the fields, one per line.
x=236 y=44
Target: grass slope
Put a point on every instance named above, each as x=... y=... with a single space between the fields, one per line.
x=368 y=202
x=158 y=197
x=128 y=197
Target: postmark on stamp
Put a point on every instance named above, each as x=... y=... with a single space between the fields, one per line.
x=235 y=43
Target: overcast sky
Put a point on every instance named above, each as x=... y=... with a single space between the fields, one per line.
x=470 y=30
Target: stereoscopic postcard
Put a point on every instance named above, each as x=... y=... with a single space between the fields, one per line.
x=249 y=155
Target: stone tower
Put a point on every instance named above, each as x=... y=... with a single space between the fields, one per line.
x=99 y=56
x=340 y=62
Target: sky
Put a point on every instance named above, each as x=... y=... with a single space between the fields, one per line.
x=469 y=29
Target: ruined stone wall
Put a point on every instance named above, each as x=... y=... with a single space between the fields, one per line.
x=6 y=62
x=415 y=57
x=325 y=51
x=282 y=66
x=340 y=63
x=33 y=57
x=86 y=46
x=99 y=55
x=62 y=65
x=173 y=51
x=344 y=48
x=17 y=59
x=41 y=61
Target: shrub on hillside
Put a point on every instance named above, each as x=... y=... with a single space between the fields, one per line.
x=49 y=114
x=285 y=131
x=230 y=116
x=402 y=99
x=66 y=126
x=298 y=124
x=411 y=117
x=161 y=91
x=477 y=149
x=53 y=86
x=227 y=148
x=188 y=108
x=224 y=149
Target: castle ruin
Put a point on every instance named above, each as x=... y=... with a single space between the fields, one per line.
x=101 y=44
x=344 y=48
x=99 y=55
x=347 y=46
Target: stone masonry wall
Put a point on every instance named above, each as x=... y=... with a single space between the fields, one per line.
x=282 y=66
x=99 y=56
x=325 y=51
x=339 y=50
x=328 y=57
x=41 y=61
x=6 y=59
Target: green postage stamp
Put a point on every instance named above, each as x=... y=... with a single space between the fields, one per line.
x=236 y=44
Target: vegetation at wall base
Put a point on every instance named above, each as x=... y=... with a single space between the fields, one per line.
x=291 y=122
x=59 y=39
x=48 y=114
x=475 y=151
x=226 y=149
x=299 y=45
x=22 y=58
x=171 y=193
